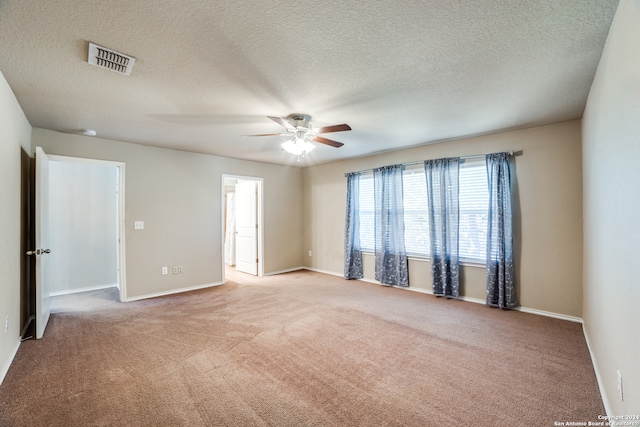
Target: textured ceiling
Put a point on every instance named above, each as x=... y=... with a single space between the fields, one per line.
x=401 y=73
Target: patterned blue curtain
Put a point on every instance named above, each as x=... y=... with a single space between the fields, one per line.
x=500 y=270
x=352 y=251
x=391 y=258
x=444 y=217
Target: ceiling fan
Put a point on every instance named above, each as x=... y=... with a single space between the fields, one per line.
x=298 y=126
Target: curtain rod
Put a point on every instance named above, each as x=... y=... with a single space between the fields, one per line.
x=477 y=156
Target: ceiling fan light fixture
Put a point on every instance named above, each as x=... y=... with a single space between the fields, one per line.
x=297 y=146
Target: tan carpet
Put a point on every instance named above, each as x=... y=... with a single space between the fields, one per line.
x=298 y=349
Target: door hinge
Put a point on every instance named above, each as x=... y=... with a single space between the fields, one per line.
x=256 y=260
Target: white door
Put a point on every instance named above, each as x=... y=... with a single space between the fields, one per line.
x=246 y=227
x=42 y=241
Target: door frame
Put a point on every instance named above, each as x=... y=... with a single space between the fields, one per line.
x=260 y=204
x=122 y=282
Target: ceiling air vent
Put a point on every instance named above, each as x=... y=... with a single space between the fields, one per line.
x=106 y=58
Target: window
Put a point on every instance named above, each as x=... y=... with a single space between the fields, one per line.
x=416 y=224
x=474 y=203
x=367 y=209
x=474 y=207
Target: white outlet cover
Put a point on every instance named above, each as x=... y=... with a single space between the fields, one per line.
x=138 y=225
x=165 y=271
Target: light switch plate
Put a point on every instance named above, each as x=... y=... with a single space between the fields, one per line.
x=138 y=225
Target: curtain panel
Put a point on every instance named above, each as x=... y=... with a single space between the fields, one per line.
x=352 y=251
x=500 y=268
x=391 y=258
x=444 y=217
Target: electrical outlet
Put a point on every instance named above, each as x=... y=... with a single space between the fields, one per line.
x=175 y=270
x=620 y=386
x=165 y=271
x=310 y=253
x=6 y=323
x=180 y=269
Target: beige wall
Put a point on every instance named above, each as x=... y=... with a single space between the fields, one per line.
x=611 y=131
x=178 y=196
x=547 y=207
x=15 y=139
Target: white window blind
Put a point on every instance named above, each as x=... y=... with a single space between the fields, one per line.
x=474 y=203
x=416 y=223
x=367 y=219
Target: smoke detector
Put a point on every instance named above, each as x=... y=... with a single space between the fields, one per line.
x=110 y=59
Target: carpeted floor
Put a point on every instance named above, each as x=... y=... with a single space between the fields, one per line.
x=298 y=349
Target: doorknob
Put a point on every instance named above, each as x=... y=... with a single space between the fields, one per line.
x=39 y=252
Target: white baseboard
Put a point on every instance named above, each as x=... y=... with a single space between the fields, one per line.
x=333 y=273
x=605 y=400
x=75 y=291
x=530 y=311
x=7 y=365
x=288 y=270
x=473 y=300
x=173 y=291
x=549 y=314
x=317 y=270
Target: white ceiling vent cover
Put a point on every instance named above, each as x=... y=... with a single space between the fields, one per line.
x=110 y=59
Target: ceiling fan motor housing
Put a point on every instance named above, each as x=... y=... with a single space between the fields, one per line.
x=299 y=120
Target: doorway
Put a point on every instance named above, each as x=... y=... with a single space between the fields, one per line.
x=86 y=199
x=242 y=225
x=43 y=247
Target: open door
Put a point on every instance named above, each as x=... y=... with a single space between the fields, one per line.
x=42 y=241
x=246 y=227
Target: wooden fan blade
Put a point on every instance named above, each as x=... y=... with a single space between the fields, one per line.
x=330 y=142
x=282 y=122
x=334 y=128
x=269 y=134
